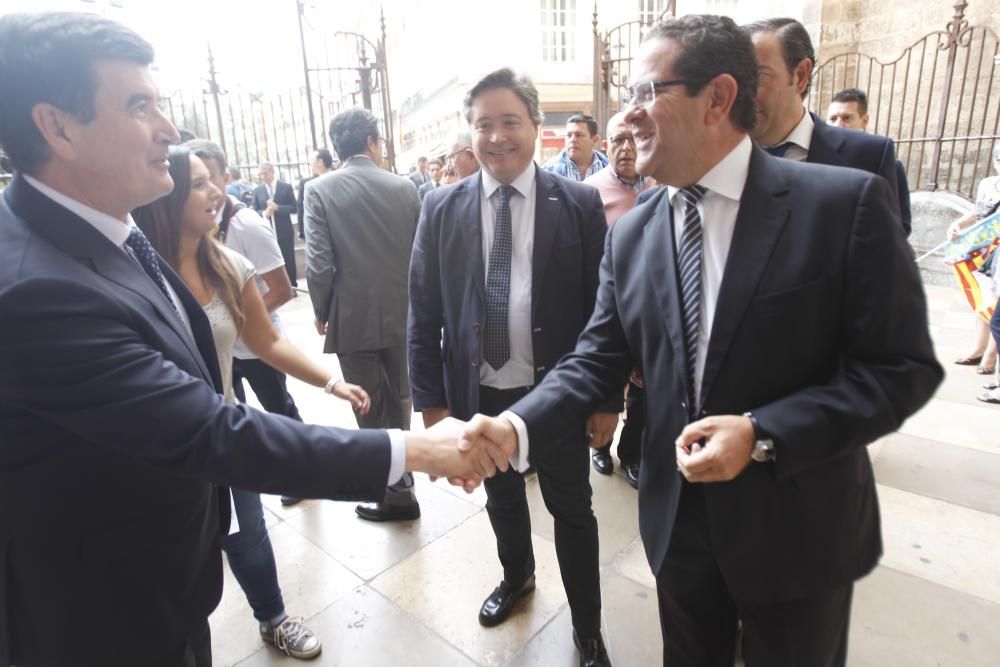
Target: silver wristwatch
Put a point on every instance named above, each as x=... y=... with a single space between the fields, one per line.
x=763 y=446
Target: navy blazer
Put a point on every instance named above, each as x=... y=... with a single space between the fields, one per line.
x=284 y=197
x=820 y=331
x=873 y=153
x=114 y=446
x=447 y=292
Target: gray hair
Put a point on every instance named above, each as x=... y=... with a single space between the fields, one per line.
x=207 y=150
x=463 y=139
x=519 y=84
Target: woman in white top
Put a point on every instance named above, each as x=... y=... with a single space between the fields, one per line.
x=181 y=227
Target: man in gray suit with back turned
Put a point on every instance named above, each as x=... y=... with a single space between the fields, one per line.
x=360 y=223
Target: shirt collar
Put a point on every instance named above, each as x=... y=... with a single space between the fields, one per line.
x=113 y=229
x=801 y=134
x=639 y=184
x=729 y=175
x=522 y=183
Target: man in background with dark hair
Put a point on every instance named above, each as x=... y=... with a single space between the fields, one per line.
x=360 y=222
x=434 y=166
x=849 y=109
x=322 y=162
x=116 y=446
x=275 y=200
x=580 y=158
x=757 y=498
x=784 y=127
x=419 y=175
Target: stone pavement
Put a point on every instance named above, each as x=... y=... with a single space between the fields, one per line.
x=408 y=594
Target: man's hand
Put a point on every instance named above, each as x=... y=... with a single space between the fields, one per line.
x=434 y=415
x=601 y=428
x=442 y=451
x=636 y=378
x=271 y=209
x=492 y=433
x=320 y=327
x=728 y=442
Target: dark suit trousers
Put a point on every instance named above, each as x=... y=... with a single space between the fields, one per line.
x=286 y=242
x=383 y=374
x=698 y=616
x=630 y=440
x=195 y=651
x=267 y=383
x=564 y=479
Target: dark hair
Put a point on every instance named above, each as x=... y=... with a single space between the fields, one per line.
x=710 y=46
x=520 y=84
x=235 y=174
x=350 y=129
x=584 y=118
x=437 y=162
x=324 y=155
x=794 y=39
x=422 y=158
x=855 y=95
x=161 y=222
x=49 y=57
x=207 y=150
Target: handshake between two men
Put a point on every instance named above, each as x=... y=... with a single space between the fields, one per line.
x=465 y=453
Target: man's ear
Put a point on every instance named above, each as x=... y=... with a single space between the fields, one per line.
x=56 y=127
x=802 y=73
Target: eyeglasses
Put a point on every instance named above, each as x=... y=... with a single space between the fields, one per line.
x=644 y=92
x=451 y=157
x=620 y=140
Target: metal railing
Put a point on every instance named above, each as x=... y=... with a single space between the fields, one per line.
x=938 y=100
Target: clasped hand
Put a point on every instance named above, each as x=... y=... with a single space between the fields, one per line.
x=464 y=453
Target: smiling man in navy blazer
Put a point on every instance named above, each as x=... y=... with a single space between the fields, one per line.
x=114 y=441
x=777 y=318
x=505 y=262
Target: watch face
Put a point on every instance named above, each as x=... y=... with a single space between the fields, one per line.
x=763 y=450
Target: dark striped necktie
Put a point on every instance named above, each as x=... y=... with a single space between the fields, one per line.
x=689 y=271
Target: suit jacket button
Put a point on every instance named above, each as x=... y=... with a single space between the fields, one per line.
x=475 y=327
x=537 y=330
x=475 y=364
x=540 y=369
x=684 y=405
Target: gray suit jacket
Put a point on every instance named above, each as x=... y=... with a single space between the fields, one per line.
x=360 y=222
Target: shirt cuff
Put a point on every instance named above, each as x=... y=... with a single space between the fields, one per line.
x=397 y=465
x=520 y=458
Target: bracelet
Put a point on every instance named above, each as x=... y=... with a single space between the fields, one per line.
x=330 y=384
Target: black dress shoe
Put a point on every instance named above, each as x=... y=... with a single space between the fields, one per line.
x=601 y=458
x=386 y=512
x=288 y=501
x=499 y=604
x=592 y=652
x=632 y=475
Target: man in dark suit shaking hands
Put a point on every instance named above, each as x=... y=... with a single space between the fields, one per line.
x=275 y=200
x=779 y=324
x=115 y=445
x=503 y=278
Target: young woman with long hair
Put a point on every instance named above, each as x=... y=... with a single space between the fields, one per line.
x=181 y=228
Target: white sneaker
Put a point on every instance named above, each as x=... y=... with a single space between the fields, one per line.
x=292 y=637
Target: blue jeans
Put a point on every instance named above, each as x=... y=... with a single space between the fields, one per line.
x=252 y=559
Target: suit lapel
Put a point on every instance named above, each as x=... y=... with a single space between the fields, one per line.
x=201 y=330
x=80 y=240
x=762 y=215
x=824 y=146
x=661 y=254
x=468 y=215
x=549 y=209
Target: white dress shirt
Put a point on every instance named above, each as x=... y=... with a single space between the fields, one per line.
x=519 y=371
x=800 y=137
x=112 y=229
x=719 y=208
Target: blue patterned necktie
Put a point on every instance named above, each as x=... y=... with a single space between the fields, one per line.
x=689 y=271
x=496 y=347
x=143 y=251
